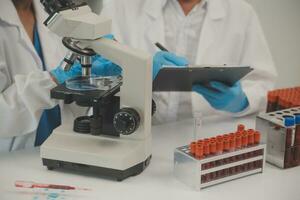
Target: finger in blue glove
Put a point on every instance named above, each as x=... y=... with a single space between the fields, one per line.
x=109 y=36
x=162 y=58
x=104 y=67
x=222 y=97
x=61 y=76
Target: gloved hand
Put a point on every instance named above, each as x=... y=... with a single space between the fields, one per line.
x=100 y=67
x=166 y=58
x=60 y=76
x=230 y=99
x=104 y=67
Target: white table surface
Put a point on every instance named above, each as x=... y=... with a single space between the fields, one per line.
x=157 y=181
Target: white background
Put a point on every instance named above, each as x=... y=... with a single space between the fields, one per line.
x=281 y=22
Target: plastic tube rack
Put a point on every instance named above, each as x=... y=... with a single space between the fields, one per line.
x=282 y=133
x=228 y=161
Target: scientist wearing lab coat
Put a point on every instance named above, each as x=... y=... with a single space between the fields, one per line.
x=30 y=56
x=212 y=32
x=24 y=85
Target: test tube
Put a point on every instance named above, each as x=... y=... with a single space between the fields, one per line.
x=272 y=101
x=250 y=142
x=251 y=137
x=240 y=128
x=257 y=137
x=197 y=124
x=199 y=151
x=232 y=144
x=213 y=150
x=220 y=149
x=226 y=147
x=289 y=122
x=193 y=148
x=297 y=139
x=238 y=140
x=297 y=130
x=245 y=139
x=238 y=144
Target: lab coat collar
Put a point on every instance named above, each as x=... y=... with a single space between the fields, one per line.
x=8 y=13
x=216 y=8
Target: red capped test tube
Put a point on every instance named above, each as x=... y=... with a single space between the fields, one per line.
x=257 y=137
x=251 y=136
x=206 y=147
x=199 y=151
x=240 y=128
x=297 y=139
x=213 y=146
x=220 y=144
x=272 y=101
x=245 y=139
x=232 y=142
x=193 y=148
x=238 y=140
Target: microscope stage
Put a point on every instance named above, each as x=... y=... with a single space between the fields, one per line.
x=84 y=97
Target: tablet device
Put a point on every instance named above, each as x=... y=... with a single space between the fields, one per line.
x=182 y=79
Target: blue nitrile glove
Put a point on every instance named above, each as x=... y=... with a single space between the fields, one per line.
x=230 y=99
x=61 y=76
x=100 y=67
x=104 y=67
x=166 y=58
x=109 y=36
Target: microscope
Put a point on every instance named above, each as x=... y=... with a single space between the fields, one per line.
x=115 y=141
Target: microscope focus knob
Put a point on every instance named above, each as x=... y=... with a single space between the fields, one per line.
x=126 y=121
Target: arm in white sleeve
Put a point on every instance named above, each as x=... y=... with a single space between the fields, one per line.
x=23 y=100
x=257 y=54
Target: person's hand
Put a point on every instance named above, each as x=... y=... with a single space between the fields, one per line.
x=222 y=97
x=100 y=67
x=60 y=76
x=104 y=67
x=162 y=58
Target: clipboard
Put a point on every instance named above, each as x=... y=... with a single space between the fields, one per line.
x=182 y=79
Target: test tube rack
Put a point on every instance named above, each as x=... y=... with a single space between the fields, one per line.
x=201 y=171
x=281 y=99
x=282 y=133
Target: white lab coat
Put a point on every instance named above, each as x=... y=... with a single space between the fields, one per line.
x=24 y=87
x=231 y=35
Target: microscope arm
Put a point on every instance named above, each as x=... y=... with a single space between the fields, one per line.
x=136 y=90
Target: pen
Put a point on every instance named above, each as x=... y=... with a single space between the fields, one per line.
x=161 y=47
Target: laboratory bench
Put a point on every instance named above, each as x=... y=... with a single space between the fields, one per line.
x=157 y=181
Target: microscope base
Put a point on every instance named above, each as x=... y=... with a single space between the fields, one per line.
x=111 y=157
x=118 y=175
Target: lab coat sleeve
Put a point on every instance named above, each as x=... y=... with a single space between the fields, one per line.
x=22 y=100
x=257 y=54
